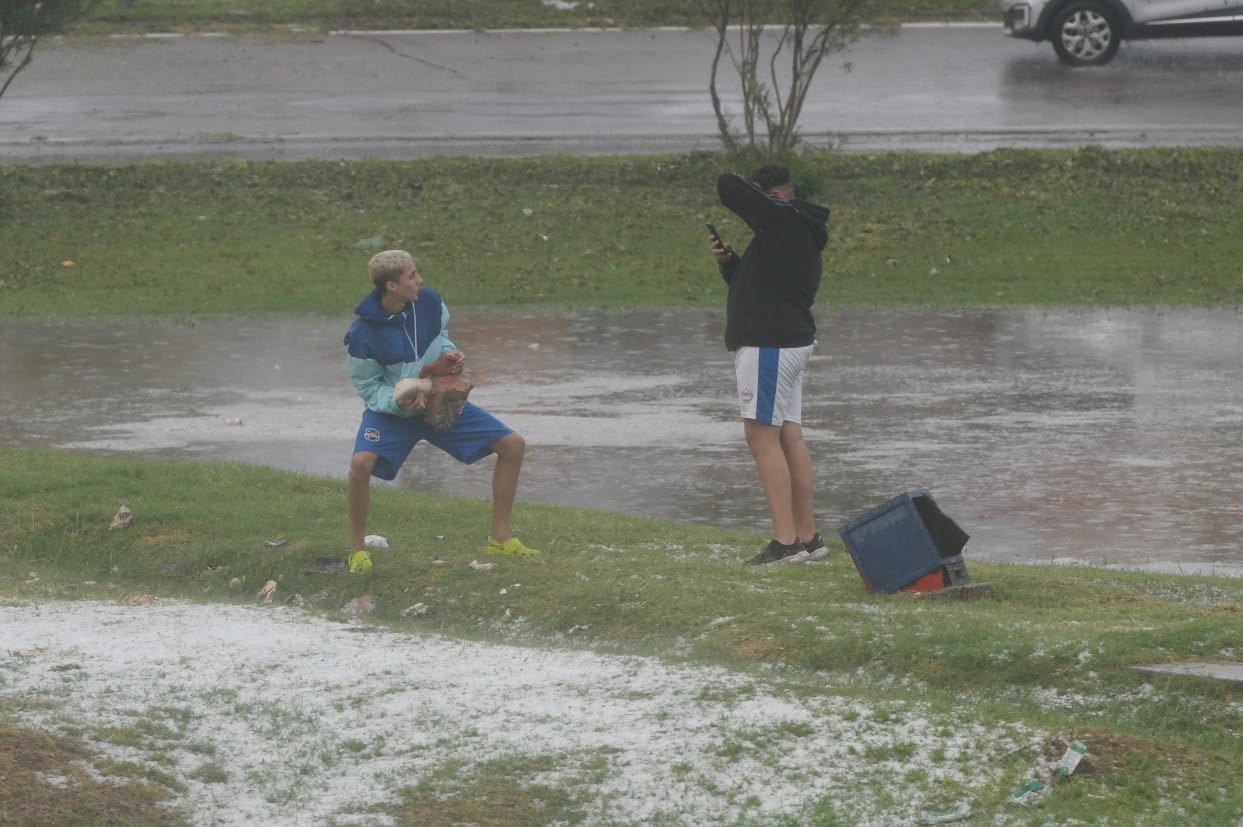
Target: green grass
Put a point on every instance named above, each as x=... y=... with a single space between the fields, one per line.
x=1010 y=227
x=101 y=792
x=1160 y=747
x=113 y=16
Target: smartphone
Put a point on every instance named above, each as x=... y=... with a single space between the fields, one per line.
x=715 y=235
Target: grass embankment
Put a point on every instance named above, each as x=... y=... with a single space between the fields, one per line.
x=1010 y=227
x=1052 y=648
x=112 y=16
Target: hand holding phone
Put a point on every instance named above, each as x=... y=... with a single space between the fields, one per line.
x=720 y=250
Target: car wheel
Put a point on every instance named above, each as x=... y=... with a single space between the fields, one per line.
x=1086 y=33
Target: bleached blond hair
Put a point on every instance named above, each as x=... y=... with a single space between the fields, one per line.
x=388 y=266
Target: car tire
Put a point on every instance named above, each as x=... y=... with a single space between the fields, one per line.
x=1086 y=33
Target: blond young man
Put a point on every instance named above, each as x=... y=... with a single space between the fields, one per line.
x=402 y=332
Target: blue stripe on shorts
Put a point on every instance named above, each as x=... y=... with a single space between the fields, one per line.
x=766 y=384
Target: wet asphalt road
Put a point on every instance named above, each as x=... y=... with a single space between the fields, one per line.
x=406 y=95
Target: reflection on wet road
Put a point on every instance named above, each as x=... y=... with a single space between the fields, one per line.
x=1105 y=436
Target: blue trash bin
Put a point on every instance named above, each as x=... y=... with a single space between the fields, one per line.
x=903 y=540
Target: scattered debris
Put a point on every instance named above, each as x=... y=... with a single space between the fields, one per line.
x=233 y=420
x=416 y=609
x=438 y=560
x=962 y=812
x=267 y=592
x=1231 y=672
x=1030 y=794
x=66 y=667
x=375 y=541
x=475 y=564
x=503 y=591
x=122 y=519
x=276 y=542
x=139 y=598
x=1075 y=753
x=365 y=604
x=234 y=582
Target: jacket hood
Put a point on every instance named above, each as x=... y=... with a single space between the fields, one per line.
x=816 y=219
x=373 y=310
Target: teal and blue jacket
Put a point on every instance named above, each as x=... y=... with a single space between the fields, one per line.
x=383 y=349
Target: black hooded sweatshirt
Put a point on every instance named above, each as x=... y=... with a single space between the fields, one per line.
x=773 y=285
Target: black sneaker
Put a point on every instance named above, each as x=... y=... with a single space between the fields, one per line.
x=816 y=549
x=776 y=553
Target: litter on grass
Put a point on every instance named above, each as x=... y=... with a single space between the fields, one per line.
x=122 y=519
x=1075 y=753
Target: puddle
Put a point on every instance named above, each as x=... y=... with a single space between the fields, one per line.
x=1109 y=437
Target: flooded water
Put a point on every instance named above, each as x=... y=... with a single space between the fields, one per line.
x=1108 y=437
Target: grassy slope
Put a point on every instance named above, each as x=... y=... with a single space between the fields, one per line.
x=199 y=15
x=1073 y=227
x=1047 y=633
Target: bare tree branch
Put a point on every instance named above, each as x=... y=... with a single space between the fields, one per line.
x=810 y=30
x=24 y=22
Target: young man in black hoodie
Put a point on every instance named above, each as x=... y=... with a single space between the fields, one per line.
x=770 y=328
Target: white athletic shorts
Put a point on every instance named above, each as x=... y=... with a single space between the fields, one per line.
x=770 y=382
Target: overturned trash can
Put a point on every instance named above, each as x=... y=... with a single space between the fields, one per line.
x=909 y=544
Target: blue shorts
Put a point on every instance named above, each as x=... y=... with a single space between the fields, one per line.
x=394 y=437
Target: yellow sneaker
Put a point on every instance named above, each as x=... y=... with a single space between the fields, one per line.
x=360 y=562
x=512 y=547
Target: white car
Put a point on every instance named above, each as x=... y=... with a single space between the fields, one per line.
x=1087 y=32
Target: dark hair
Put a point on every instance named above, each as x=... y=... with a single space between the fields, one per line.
x=773 y=174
